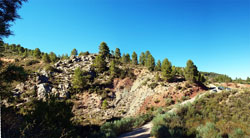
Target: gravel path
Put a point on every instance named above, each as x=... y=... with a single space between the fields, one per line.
x=142 y=132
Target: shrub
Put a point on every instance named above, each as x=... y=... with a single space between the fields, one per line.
x=169 y=101
x=208 y=131
x=84 y=53
x=50 y=68
x=160 y=131
x=238 y=133
x=114 y=129
x=153 y=85
x=31 y=62
x=104 y=104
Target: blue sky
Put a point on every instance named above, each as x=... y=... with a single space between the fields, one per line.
x=215 y=34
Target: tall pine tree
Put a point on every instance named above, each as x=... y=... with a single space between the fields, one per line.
x=191 y=72
x=150 y=62
x=117 y=53
x=100 y=64
x=37 y=53
x=142 y=59
x=166 y=69
x=113 y=69
x=134 y=58
x=104 y=50
x=46 y=58
x=74 y=52
x=158 y=66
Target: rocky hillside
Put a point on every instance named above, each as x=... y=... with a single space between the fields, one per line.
x=126 y=96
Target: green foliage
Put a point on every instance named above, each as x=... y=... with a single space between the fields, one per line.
x=14 y=73
x=79 y=81
x=117 y=53
x=46 y=58
x=166 y=70
x=134 y=58
x=100 y=64
x=191 y=72
x=49 y=68
x=169 y=101
x=158 y=66
x=157 y=77
x=248 y=79
x=224 y=118
x=222 y=78
x=11 y=122
x=113 y=69
x=114 y=129
x=84 y=53
x=201 y=78
x=74 y=52
x=48 y=119
x=104 y=50
x=8 y=14
x=125 y=58
x=53 y=57
x=31 y=62
x=150 y=62
x=64 y=56
x=142 y=59
x=37 y=53
x=208 y=131
x=238 y=133
x=153 y=85
x=105 y=104
x=163 y=126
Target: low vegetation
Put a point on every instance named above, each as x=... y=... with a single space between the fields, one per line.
x=115 y=128
x=224 y=114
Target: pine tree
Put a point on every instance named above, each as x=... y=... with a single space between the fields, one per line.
x=100 y=64
x=125 y=58
x=74 y=52
x=53 y=57
x=117 y=53
x=201 y=78
x=134 y=58
x=104 y=50
x=150 y=62
x=113 y=69
x=166 y=70
x=37 y=53
x=142 y=59
x=46 y=58
x=191 y=72
x=147 y=54
x=79 y=81
x=248 y=79
x=158 y=66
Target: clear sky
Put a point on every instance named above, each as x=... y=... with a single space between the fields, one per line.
x=215 y=34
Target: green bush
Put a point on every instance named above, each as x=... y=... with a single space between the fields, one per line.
x=114 y=129
x=105 y=104
x=50 y=68
x=208 y=131
x=238 y=133
x=31 y=62
x=153 y=85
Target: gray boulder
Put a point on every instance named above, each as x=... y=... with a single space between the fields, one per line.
x=43 y=90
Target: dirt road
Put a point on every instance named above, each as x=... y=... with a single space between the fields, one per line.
x=142 y=132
